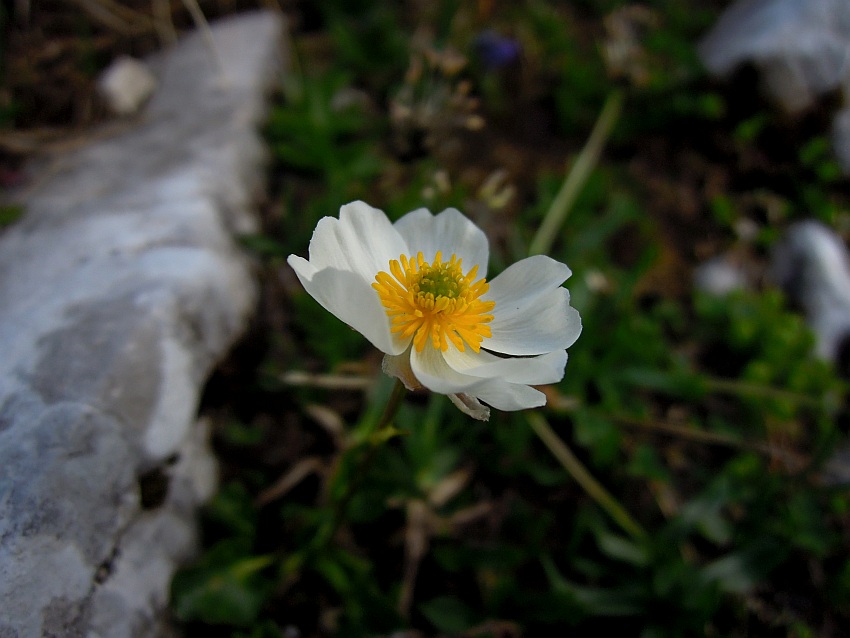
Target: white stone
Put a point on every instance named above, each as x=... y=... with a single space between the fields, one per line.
x=802 y=47
x=126 y=85
x=813 y=266
x=841 y=138
x=719 y=276
x=120 y=289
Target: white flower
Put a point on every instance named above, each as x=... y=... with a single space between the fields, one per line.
x=416 y=290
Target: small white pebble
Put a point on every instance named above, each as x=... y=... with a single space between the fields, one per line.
x=718 y=277
x=596 y=281
x=126 y=85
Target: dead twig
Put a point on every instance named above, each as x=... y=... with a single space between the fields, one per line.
x=293 y=477
x=117 y=17
x=326 y=381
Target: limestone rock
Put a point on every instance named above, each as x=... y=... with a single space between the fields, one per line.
x=841 y=138
x=120 y=289
x=126 y=85
x=720 y=276
x=812 y=264
x=802 y=47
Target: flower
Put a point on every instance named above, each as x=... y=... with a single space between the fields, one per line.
x=495 y=50
x=416 y=289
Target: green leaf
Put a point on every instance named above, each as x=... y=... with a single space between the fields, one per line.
x=10 y=214
x=268 y=629
x=448 y=614
x=599 y=435
x=225 y=588
x=623 y=549
x=741 y=571
x=264 y=245
x=705 y=513
x=242 y=434
x=646 y=464
x=233 y=509
x=677 y=383
x=590 y=600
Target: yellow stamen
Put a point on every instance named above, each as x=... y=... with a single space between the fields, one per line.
x=435 y=302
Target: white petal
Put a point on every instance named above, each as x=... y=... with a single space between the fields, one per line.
x=546 y=324
x=362 y=240
x=434 y=373
x=398 y=367
x=509 y=396
x=522 y=282
x=532 y=313
x=350 y=298
x=449 y=232
x=303 y=268
x=471 y=406
x=547 y=368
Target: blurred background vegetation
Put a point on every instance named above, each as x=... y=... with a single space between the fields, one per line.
x=706 y=419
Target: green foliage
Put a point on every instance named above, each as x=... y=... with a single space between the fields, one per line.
x=817 y=156
x=447 y=614
x=10 y=214
x=225 y=587
x=324 y=335
x=368 y=38
x=769 y=350
x=574 y=70
x=322 y=129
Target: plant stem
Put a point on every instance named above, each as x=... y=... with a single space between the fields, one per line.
x=694 y=434
x=583 y=477
x=542 y=242
x=393 y=404
x=204 y=27
x=584 y=163
x=740 y=387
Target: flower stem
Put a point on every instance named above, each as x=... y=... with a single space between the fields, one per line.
x=377 y=436
x=393 y=404
x=584 y=163
x=583 y=477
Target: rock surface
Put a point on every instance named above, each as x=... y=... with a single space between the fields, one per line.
x=720 y=276
x=812 y=265
x=802 y=47
x=120 y=289
x=126 y=85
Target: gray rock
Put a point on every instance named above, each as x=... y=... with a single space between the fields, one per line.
x=813 y=266
x=802 y=47
x=120 y=289
x=841 y=138
x=720 y=276
x=126 y=85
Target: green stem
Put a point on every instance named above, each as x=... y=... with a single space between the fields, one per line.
x=695 y=434
x=738 y=387
x=542 y=242
x=366 y=460
x=204 y=27
x=584 y=163
x=704 y=436
x=583 y=477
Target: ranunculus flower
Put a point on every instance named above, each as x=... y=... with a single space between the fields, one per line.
x=417 y=290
